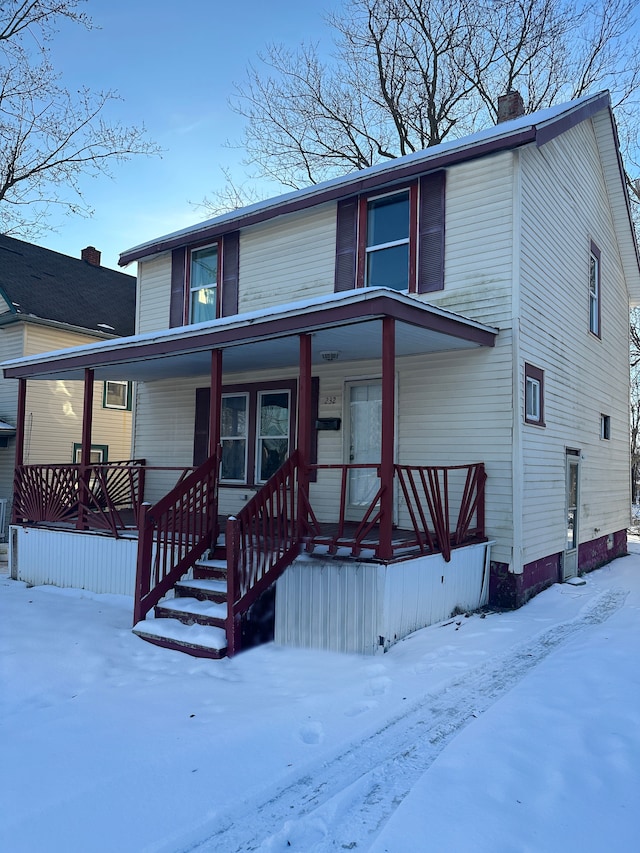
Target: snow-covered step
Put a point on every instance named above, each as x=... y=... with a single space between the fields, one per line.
x=210 y=568
x=202 y=589
x=196 y=640
x=190 y=610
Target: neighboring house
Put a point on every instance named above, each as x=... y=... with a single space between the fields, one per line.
x=49 y=301
x=416 y=374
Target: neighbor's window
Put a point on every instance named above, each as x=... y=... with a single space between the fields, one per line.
x=99 y=453
x=116 y=395
x=203 y=284
x=534 y=395
x=272 y=438
x=234 y=428
x=605 y=427
x=594 y=290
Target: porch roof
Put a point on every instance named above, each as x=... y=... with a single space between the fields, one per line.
x=348 y=324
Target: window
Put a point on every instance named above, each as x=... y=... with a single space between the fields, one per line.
x=203 y=284
x=534 y=395
x=234 y=430
x=605 y=427
x=116 y=395
x=272 y=433
x=256 y=429
x=386 y=245
x=394 y=238
x=594 y=290
x=99 y=453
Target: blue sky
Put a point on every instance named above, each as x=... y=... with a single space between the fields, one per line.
x=174 y=65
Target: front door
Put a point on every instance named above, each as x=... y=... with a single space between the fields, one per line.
x=572 y=490
x=362 y=446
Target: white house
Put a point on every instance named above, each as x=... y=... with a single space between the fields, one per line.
x=408 y=387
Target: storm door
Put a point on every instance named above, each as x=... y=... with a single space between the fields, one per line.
x=572 y=491
x=362 y=445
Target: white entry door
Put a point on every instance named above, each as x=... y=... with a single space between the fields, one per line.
x=572 y=489
x=362 y=445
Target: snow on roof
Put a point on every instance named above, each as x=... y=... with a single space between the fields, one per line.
x=465 y=145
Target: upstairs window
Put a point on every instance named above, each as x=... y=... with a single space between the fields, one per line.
x=203 y=284
x=393 y=239
x=387 y=241
x=594 y=290
x=605 y=427
x=533 y=395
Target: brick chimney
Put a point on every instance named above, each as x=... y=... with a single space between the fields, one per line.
x=91 y=255
x=510 y=106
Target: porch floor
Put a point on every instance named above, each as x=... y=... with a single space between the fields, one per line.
x=331 y=540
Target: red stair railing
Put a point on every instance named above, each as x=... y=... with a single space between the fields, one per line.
x=174 y=533
x=263 y=539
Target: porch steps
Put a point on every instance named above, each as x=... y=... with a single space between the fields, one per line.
x=203 y=641
x=191 y=610
x=193 y=620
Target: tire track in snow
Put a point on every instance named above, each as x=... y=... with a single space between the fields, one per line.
x=337 y=806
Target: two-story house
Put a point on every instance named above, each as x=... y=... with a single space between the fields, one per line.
x=49 y=301
x=389 y=397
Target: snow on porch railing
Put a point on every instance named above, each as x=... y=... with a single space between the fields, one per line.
x=263 y=539
x=174 y=532
x=445 y=505
x=103 y=497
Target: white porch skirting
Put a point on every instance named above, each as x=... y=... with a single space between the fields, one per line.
x=79 y=560
x=364 y=608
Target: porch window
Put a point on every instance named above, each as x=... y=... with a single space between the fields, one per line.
x=386 y=253
x=594 y=290
x=203 y=284
x=534 y=395
x=116 y=395
x=234 y=427
x=273 y=433
x=257 y=428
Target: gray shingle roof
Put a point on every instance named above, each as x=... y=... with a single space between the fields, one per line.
x=40 y=283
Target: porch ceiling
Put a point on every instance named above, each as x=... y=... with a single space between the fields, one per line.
x=349 y=324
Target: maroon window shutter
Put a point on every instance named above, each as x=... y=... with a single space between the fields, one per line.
x=201 y=431
x=346 y=244
x=431 y=232
x=178 y=280
x=230 y=273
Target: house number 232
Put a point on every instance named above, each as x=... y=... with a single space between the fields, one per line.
x=330 y=401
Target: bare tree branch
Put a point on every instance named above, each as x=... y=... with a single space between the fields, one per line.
x=49 y=136
x=407 y=74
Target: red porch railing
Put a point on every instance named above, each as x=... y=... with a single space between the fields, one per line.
x=263 y=539
x=444 y=504
x=174 y=532
x=53 y=494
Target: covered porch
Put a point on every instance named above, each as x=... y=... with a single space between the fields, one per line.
x=408 y=509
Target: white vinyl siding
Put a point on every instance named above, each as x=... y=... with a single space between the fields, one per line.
x=584 y=376
x=288 y=259
x=479 y=241
x=154 y=294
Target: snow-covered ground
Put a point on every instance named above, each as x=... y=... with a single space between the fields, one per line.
x=509 y=732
